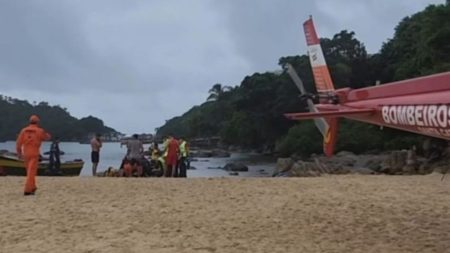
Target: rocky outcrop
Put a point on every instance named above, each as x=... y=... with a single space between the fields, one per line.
x=400 y=162
x=436 y=158
x=283 y=165
x=406 y=162
x=394 y=163
x=342 y=163
x=305 y=169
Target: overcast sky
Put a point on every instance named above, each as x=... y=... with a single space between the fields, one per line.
x=135 y=64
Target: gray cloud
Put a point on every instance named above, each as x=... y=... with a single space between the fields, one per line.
x=137 y=63
x=265 y=30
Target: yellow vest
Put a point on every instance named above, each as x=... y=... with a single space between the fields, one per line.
x=163 y=162
x=183 y=149
x=155 y=154
x=165 y=147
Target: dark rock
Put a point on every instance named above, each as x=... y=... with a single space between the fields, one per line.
x=344 y=153
x=442 y=169
x=200 y=153
x=305 y=169
x=409 y=170
x=210 y=153
x=283 y=165
x=235 y=167
x=282 y=174
x=394 y=163
x=364 y=171
x=233 y=173
x=233 y=148
x=373 y=164
x=220 y=153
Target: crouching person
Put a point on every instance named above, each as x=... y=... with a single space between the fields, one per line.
x=111 y=172
x=132 y=168
x=138 y=169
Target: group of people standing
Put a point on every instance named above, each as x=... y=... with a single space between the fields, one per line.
x=171 y=161
x=175 y=155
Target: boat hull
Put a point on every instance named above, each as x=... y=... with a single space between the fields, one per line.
x=11 y=166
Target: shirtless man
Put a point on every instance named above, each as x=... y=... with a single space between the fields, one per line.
x=96 y=144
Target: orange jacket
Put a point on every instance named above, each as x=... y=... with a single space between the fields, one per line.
x=128 y=169
x=172 y=150
x=29 y=140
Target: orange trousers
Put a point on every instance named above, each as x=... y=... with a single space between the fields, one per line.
x=31 y=164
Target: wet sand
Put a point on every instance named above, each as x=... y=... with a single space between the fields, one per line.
x=326 y=214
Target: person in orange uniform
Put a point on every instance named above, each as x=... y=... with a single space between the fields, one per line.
x=28 y=146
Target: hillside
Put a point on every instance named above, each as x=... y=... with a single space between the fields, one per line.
x=55 y=119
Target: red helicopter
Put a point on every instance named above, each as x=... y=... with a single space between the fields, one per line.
x=420 y=105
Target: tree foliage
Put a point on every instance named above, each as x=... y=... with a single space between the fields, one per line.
x=421 y=45
x=217 y=92
x=55 y=119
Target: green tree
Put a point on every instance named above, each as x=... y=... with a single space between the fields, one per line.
x=303 y=139
x=217 y=91
x=56 y=120
x=347 y=59
x=420 y=45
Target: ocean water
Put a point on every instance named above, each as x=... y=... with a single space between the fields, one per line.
x=112 y=154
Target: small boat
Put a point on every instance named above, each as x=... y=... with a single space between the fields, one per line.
x=11 y=165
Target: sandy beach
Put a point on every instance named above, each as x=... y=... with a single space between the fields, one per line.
x=326 y=214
